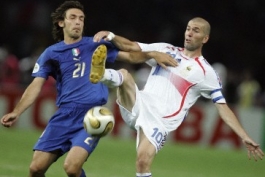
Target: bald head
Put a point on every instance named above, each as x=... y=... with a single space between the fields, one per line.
x=205 y=24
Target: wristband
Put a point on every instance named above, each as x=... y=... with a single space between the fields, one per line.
x=110 y=36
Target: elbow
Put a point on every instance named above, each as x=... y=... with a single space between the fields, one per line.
x=132 y=47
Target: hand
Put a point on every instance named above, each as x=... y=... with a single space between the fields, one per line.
x=165 y=60
x=101 y=35
x=253 y=150
x=9 y=119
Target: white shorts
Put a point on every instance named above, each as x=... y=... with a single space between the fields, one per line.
x=142 y=116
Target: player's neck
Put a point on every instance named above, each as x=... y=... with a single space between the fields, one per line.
x=192 y=54
x=68 y=40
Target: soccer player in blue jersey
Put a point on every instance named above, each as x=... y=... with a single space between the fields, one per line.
x=69 y=63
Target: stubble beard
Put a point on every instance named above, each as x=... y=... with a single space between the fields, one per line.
x=191 y=47
x=75 y=36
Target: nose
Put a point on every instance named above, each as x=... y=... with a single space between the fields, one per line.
x=77 y=21
x=189 y=33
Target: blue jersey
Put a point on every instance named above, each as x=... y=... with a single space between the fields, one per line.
x=70 y=66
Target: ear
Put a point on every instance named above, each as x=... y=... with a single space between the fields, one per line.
x=205 y=39
x=61 y=23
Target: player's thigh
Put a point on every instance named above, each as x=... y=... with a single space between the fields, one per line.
x=126 y=93
x=76 y=157
x=42 y=160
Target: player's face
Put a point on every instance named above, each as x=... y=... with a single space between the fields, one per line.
x=73 y=24
x=194 y=36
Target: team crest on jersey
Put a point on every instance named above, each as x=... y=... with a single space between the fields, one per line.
x=36 y=68
x=185 y=71
x=75 y=52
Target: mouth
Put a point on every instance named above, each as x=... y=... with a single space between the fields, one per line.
x=187 y=40
x=76 y=29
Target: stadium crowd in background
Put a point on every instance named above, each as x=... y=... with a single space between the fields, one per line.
x=17 y=72
x=19 y=49
x=9 y=68
x=32 y=20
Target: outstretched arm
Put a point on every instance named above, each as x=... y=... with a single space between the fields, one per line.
x=230 y=119
x=28 y=97
x=131 y=51
x=119 y=41
x=162 y=59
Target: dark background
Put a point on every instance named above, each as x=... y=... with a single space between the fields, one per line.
x=237 y=38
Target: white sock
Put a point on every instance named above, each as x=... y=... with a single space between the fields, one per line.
x=112 y=78
x=143 y=174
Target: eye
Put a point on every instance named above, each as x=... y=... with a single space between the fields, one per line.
x=196 y=30
x=72 y=17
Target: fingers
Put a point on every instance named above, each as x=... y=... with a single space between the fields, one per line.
x=164 y=66
x=169 y=61
x=164 y=60
x=97 y=37
x=259 y=153
x=8 y=120
x=6 y=123
x=253 y=150
x=173 y=62
x=101 y=35
x=256 y=153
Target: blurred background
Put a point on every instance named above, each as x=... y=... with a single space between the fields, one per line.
x=236 y=45
x=236 y=50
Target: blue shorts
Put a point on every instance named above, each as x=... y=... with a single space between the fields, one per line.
x=65 y=130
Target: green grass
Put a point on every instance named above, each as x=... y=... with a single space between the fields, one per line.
x=116 y=158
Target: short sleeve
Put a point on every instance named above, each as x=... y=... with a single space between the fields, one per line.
x=42 y=67
x=212 y=87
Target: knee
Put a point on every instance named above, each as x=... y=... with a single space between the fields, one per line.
x=36 y=169
x=72 y=170
x=128 y=80
x=126 y=75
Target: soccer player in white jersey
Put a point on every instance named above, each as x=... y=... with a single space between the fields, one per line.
x=169 y=92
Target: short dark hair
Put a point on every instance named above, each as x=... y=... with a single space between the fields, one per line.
x=59 y=15
x=207 y=26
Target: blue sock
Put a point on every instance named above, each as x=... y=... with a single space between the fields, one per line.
x=143 y=174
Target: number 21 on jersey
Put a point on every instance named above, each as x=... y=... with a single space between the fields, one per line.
x=79 y=70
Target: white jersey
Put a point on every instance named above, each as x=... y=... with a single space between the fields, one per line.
x=175 y=90
x=169 y=94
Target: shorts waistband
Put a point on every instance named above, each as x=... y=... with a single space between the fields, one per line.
x=75 y=105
